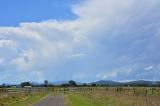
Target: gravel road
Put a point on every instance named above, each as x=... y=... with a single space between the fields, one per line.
x=51 y=100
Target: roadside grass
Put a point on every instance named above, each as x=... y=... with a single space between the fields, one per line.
x=111 y=97
x=20 y=99
x=78 y=100
x=82 y=100
x=67 y=101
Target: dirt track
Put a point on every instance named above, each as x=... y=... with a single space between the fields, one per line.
x=51 y=100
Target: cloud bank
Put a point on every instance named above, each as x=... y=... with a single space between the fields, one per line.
x=109 y=40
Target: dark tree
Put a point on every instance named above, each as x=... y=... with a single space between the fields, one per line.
x=93 y=85
x=46 y=83
x=64 y=85
x=72 y=83
x=3 y=85
x=84 y=84
x=23 y=84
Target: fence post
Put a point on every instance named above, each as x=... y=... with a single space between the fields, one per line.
x=146 y=92
x=134 y=90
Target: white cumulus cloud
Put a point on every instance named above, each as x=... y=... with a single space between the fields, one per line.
x=5 y=43
x=119 y=33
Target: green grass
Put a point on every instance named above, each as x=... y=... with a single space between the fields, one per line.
x=83 y=100
x=112 y=97
x=21 y=100
x=98 y=96
x=77 y=100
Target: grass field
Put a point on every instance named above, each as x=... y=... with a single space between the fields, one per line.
x=19 y=99
x=113 y=97
x=95 y=96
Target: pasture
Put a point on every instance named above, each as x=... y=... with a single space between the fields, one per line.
x=19 y=99
x=115 y=97
x=83 y=96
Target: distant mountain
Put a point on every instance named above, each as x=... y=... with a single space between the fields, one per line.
x=139 y=82
x=105 y=82
x=108 y=82
x=58 y=82
x=143 y=82
x=131 y=83
x=35 y=83
x=100 y=83
x=63 y=82
x=155 y=82
x=79 y=83
x=8 y=84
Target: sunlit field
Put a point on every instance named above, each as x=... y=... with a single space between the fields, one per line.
x=19 y=98
x=114 y=97
x=87 y=96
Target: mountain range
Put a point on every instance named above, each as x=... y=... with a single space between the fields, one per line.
x=104 y=83
x=132 y=83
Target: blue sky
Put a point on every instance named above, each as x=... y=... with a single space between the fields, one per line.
x=17 y=11
x=83 y=40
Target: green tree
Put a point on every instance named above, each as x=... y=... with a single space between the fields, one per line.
x=23 y=84
x=46 y=83
x=93 y=85
x=84 y=84
x=72 y=83
x=3 y=84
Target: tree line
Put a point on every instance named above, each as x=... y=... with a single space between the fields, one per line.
x=73 y=83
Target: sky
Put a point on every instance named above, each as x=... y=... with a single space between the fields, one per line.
x=82 y=40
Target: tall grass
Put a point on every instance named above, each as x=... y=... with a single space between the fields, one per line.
x=19 y=99
x=116 y=97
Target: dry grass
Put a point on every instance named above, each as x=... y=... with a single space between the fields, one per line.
x=18 y=99
x=67 y=101
x=114 y=97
